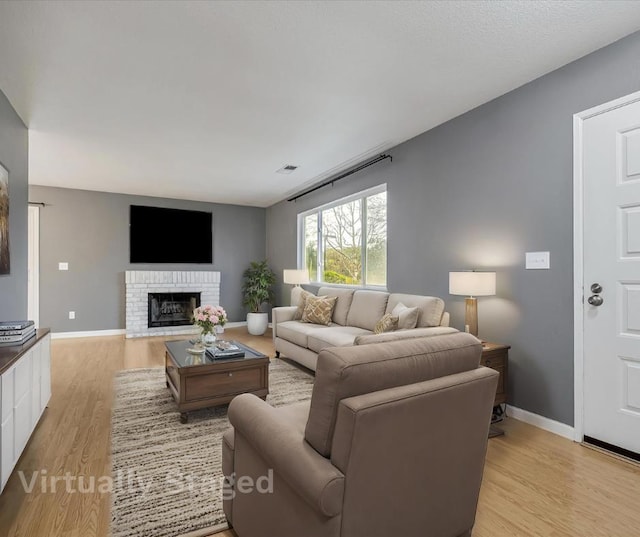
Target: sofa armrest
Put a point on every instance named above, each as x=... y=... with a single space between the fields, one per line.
x=280 y=315
x=398 y=335
x=284 y=448
x=446 y=318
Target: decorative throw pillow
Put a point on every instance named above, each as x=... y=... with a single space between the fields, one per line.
x=407 y=317
x=388 y=323
x=319 y=309
x=301 y=304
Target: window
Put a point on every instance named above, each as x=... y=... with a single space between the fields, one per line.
x=345 y=242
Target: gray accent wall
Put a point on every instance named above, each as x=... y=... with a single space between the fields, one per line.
x=14 y=156
x=478 y=192
x=90 y=231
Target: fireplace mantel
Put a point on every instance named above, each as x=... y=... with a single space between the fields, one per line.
x=139 y=283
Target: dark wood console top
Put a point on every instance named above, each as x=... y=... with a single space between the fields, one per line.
x=10 y=355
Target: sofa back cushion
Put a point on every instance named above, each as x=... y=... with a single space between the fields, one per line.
x=302 y=295
x=431 y=307
x=345 y=297
x=343 y=372
x=367 y=308
x=319 y=309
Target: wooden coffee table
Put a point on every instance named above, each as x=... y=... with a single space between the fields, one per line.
x=198 y=381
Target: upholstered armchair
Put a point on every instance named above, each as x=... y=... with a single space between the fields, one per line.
x=393 y=442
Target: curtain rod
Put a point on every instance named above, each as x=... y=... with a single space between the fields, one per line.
x=342 y=176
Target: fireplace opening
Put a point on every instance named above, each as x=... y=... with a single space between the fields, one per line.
x=172 y=309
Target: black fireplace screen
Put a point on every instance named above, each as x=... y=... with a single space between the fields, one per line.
x=172 y=309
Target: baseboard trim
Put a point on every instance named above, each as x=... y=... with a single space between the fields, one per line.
x=236 y=324
x=118 y=332
x=87 y=333
x=555 y=427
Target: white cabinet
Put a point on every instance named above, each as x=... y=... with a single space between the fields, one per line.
x=36 y=374
x=25 y=389
x=22 y=423
x=45 y=375
x=8 y=458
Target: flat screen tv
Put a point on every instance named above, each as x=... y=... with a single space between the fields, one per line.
x=159 y=235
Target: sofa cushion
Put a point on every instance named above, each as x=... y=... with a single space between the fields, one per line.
x=368 y=339
x=302 y=302
x=348 y=371
x=431 y=307
x=295 y=414
x=335 y=336
x=345 y=297
x=388 y=323
x=366 y=309
x=407 y=317
x=319 y=309
x=297 y=332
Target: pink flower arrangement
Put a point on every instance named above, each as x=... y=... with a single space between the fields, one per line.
x=207 y=317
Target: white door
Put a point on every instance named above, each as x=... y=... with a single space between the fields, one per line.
x=33 y=293
x=611 y=250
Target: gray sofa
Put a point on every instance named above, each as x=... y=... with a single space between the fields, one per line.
x=354 y=317
x=392 y=442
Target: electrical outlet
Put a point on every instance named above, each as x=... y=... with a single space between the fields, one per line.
x=72 y=315
x=63 y=266
x=537 y=260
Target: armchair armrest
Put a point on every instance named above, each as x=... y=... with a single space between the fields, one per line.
x=280 y=315
x=284 y=448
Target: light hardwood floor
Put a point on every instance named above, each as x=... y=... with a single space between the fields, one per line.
x=535 y=484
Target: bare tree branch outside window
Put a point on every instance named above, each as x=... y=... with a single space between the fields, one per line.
x=342 y=242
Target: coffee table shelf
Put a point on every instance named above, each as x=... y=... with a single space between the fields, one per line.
x=197 y=381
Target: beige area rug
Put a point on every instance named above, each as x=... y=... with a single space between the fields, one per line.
x=167 y=475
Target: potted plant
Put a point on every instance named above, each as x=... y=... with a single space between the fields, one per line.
x=257 y=289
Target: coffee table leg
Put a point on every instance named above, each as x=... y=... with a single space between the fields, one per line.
x=184 y=418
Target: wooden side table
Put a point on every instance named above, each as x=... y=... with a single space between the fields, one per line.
x=496 y=356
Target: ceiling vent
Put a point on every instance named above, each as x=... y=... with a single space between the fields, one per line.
x=289 y=168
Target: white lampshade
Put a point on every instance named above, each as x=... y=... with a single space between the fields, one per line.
x=472 y=283
x=296 y=276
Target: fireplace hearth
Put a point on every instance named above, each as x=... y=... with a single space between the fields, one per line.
x=171 y=309
x=138 y=285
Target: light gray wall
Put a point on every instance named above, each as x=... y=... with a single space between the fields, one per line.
x=479 y=192
x=90 y=230
x=14 y=156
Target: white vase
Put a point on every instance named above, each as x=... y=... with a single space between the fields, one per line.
x=257 y=323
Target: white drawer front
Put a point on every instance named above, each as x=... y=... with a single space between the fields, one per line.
x=36 y=372
x=23 y=376
x=7 y=393
x=22 y=426
x=45 y=376
x=7 y=454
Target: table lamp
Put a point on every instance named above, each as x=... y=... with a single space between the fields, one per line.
x=472 y=284
x=295 y=277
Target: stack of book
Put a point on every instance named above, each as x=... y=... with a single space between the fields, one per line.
x=16 y=332
x=225 y=350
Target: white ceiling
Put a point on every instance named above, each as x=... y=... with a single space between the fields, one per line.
x=206 y=100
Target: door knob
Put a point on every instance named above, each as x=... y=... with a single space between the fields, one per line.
x=596 y=288
x=595 y=300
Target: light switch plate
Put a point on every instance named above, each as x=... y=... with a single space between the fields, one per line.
x=72 y=315
x=63 y=266
x=537 y=260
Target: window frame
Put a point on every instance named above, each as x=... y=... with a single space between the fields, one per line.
x=362 y=195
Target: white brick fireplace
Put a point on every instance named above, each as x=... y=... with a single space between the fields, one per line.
x=139 y=283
